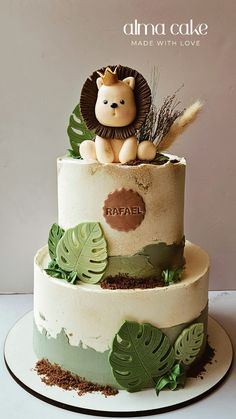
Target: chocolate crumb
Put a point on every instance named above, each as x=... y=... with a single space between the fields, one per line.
x=123 y=281
x=158 y=161
x=53 y=375
x=198 y=369
x=138 y=162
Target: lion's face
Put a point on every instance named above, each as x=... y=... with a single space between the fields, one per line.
x=115 y=105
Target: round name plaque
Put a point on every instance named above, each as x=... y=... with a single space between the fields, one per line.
x=124 y=210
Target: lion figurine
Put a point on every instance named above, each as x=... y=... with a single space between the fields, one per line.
x=115 y=105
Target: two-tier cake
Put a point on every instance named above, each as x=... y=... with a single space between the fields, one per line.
x=120 y=298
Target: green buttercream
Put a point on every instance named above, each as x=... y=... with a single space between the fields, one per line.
x=87 y=362
x=137 y=266
x=165 y=256
x=149 y=261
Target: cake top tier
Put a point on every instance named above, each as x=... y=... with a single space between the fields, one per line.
x=117 y=120
x=135 y=205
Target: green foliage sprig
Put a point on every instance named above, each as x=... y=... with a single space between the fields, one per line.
x=175 y=378
x=161 y=159
x=170 y=276
x=55 y=271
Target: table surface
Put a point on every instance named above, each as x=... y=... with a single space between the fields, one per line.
x=16 y=403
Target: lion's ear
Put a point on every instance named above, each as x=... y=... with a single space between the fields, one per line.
x=130 y=81
x=99 y=82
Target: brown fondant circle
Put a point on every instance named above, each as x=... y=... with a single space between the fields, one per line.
x=124 y=210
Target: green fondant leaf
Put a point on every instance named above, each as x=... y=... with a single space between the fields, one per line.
x=189 y=342
x=78 y=131
x=140 y=353
x=170 y=276
x=56 y=272
x=55 y=234
x=173 y=379
x=83 y=249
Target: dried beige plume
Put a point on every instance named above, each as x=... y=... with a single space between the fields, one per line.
x=180 y=124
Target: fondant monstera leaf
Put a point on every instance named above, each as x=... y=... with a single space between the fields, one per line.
x=140 y=353
x=55 y=234
x=189 y=342
x=83 y=249
x=78 y=131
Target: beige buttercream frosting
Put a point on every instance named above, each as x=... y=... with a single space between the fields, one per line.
x=83 y=188
x=91 y=315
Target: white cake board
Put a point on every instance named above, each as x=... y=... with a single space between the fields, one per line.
x=20 y=360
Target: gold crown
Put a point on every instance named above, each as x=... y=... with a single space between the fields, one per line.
x=109 y=77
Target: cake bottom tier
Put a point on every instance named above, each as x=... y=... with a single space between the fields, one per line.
x=74 y=325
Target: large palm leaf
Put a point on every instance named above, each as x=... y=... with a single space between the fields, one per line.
x=140 y=353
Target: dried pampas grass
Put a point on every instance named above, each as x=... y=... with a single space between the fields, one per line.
x=159 y=121
x=179 y=125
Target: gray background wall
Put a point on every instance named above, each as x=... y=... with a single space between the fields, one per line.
x=48 y=48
